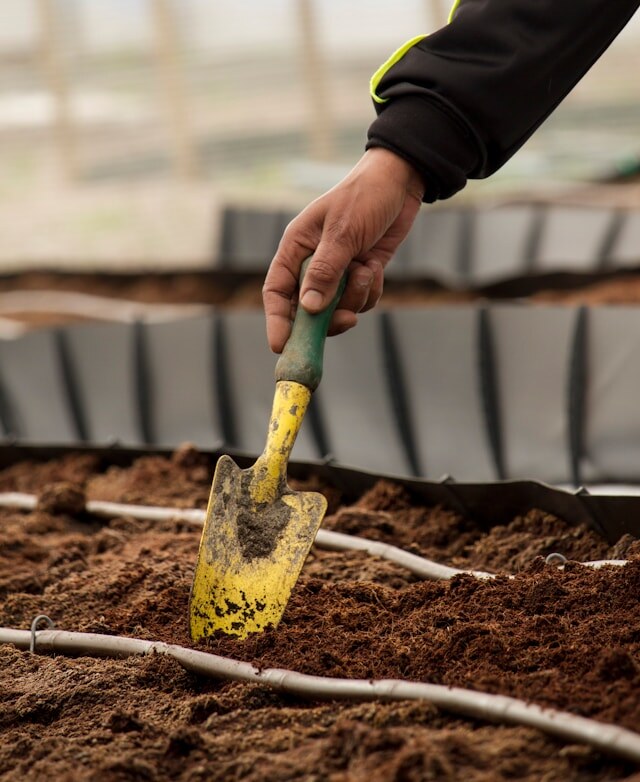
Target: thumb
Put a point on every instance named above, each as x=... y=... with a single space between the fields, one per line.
x=321 y=279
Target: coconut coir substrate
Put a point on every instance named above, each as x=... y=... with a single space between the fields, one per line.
x=568 y=639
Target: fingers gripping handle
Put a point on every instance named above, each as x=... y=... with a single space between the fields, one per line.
x=301 y=359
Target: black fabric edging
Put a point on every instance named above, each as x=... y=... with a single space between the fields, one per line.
x=576 y=395
x=489 y=389
x=609 y=240
x=318 y=428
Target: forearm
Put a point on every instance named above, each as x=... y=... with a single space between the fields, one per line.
x=460 y=102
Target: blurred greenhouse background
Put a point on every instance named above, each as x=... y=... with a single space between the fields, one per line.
x=126 y=124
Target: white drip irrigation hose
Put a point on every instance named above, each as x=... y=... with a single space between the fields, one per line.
x=469 y=703
x=325 y=539
x=419 y=566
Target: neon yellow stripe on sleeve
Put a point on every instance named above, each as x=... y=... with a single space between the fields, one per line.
x=454 y=8
x=395 y=57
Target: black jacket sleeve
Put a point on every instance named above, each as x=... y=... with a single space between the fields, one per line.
x=460 y=102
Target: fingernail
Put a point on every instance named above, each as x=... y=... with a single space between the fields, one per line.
x=312 y=300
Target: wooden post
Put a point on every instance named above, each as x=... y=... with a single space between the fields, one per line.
x=168 y=48
x=321 y=132
x=56 y=76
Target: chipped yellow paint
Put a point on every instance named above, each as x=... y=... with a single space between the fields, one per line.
x=290 y=403
x=257 y=532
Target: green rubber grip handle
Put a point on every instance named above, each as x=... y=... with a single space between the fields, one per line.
x=301 y=359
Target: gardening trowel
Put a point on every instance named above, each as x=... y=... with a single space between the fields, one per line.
x=258 y=532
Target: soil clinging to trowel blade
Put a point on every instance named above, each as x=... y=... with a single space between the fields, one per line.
x=259 y=525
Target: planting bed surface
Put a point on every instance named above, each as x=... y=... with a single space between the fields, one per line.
x=568 y=640
x=243 y=290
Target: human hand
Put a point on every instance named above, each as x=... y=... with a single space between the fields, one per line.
x=357 y=225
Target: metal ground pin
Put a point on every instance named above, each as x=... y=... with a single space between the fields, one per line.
x=34 y=628
x=555 y=559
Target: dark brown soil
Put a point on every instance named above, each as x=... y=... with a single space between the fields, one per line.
x=178 y=288
x=226 y=290
x=565 y=639
x=619 y=290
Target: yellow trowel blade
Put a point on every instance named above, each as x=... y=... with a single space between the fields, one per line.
x=257 y=532
x=250 y=554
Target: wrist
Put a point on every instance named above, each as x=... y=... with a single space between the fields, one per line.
x=399 y=168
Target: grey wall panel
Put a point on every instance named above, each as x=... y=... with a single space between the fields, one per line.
x=439 y=359
x=406 y=260
x=103 y=359
x=356 y=404
x=498 y=245
x=436 y=244
x=626 y=249
x=249 y=238
x=533 y=351
x=182 y=388
x=250 y=378
x=612 y=422
x=501 y=241
x=572 y=238
x=34 y=385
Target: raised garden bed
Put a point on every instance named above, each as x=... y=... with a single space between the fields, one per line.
x=567 y=639
x=229 y=289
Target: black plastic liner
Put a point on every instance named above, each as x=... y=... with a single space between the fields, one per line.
x=487 y=504
x=482 y=393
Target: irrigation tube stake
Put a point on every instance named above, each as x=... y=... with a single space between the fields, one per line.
x=34 y=629
x=606 y=738
x=325 y=539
